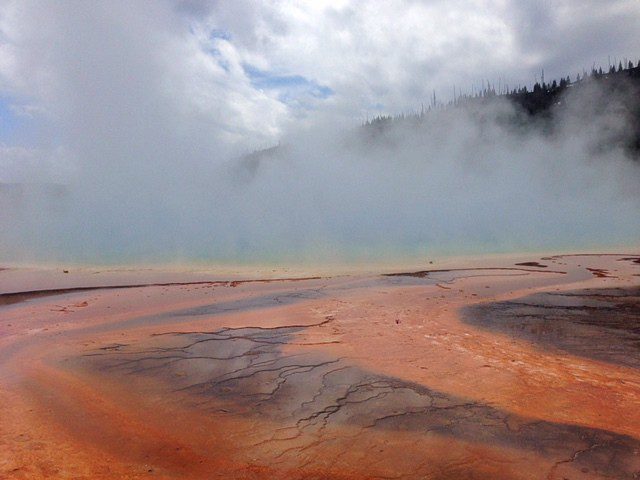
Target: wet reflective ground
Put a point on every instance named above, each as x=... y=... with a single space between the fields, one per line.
x=601 y=324
x=528 y=370
x=314 y=400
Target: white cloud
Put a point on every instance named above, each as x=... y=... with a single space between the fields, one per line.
x=390 y=53
x=396 y=52
x=134 y=70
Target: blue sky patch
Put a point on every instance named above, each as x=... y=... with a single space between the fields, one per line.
x=290 y=87
x=218 y=33
x=9 y=120
x=20 y=123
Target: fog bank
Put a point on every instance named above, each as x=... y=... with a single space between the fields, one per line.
x=139 y=157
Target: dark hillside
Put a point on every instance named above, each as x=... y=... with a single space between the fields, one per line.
x=618 y=88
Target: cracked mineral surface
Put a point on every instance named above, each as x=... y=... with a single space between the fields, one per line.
x=527 y=368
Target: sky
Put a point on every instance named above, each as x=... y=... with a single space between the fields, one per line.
x=132 y=98
x=253 y=70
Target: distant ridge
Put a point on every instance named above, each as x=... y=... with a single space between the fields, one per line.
x=621 y=82
x=538 y=104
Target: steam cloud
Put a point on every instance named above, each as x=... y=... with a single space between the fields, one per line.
x=144 y=136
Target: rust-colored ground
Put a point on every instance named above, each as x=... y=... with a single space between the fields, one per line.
x=520 y=369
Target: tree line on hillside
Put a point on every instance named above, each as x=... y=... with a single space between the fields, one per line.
x=543 y=99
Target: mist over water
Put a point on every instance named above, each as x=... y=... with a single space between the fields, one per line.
x=454 y=184
x=150 y=167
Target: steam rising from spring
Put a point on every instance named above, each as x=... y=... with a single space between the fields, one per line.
x=455 y=182
x=150 y=176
